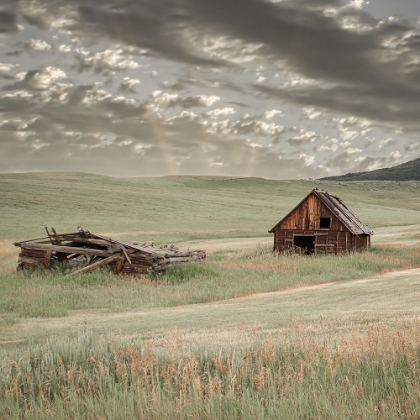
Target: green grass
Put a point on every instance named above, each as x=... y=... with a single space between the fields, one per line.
x=179 y=348
x=184 y=273
x=175 y=209
x=225 y=275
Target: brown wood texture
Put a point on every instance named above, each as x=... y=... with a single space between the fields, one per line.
x=93 y=266
x=130 y=257
x=67 y=249
x=305 y=219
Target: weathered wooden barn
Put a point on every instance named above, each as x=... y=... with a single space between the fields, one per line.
x=322 y=224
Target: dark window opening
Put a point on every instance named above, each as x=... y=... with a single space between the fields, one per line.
x=305 y=243
x=325 y=222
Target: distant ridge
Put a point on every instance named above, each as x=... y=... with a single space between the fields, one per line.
x=409 y=171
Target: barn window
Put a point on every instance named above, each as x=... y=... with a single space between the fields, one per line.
x=325 y=222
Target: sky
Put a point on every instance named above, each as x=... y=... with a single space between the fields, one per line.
x=280 y=89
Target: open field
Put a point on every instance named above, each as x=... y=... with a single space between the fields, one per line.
x=183 y=208
x=250 y=335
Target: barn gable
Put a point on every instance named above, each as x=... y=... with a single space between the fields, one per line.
x=324 y=220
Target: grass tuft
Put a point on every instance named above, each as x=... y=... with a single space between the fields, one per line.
x=184 y=273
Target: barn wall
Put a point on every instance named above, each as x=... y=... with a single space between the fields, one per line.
x=325 y=242
x=307 y=216
x=360 y=242
x=305 y=220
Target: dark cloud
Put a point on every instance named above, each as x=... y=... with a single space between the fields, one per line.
x=146 y=24
x=296 y=31
x=7 y=22
x=101 y=104
x=8 y=16
x=299 y=33
x=394 y=104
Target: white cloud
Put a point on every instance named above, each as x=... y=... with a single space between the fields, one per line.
x=41 y=79
x=6 y=67
x=309 y=160
x=65 y=48
x=348 y=135
x=208 y=100
x=38 y=45
x=163 y=99
x=114 y=59
x=271 y=114
x=220 y=112
x=225 y=48
x=92 y=97
x=311 y=113
x=352 y=151
x=128 y=84
x=358 y=4
x=384 y=143
x=306 y=137
x=329 y=146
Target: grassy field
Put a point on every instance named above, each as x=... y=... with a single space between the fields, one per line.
x=247 y=335
x=182 y=208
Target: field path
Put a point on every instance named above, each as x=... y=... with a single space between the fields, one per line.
x=346 y=306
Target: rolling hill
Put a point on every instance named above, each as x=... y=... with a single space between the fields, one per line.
x=183 y=208
x=409 y=171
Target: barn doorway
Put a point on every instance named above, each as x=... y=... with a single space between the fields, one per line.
x=305 y=243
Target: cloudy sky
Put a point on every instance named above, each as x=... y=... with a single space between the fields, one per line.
x=271 y=88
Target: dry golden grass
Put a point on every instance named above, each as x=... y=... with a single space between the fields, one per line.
x=375 y=375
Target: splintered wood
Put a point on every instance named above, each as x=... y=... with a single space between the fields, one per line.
x=87 y=251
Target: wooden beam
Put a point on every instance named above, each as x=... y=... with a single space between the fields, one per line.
x=125 y=254
x=91 y=267
x=82 y=240
x=68 y=249
x=119 y=264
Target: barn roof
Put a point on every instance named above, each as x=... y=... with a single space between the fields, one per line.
x=339 y=209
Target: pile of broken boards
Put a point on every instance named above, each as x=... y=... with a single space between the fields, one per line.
x=90 y=251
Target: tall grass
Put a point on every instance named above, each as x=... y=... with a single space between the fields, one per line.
x=225 y=275
x=376 y=376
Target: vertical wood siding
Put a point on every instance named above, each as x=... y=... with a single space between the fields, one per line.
x=305 y=220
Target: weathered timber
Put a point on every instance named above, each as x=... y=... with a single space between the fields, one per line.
x=321 y=223
x=68 y=249
x=91 y=267
x=130 y=258
x=125 y=254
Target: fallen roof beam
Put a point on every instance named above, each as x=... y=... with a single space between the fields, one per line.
x=68 y=249
x=91 y=267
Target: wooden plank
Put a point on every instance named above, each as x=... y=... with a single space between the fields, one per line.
x=33 y=260
x=91 y=267
x=336 y=249
x=69 y=249
x=92 y=241
x=126 y=244
x=119 y=265
x=125 y=254
x=57 y=239
x=42 y=253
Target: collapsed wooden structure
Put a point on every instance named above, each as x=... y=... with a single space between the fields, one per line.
x=321 y=223
x=85 y=251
